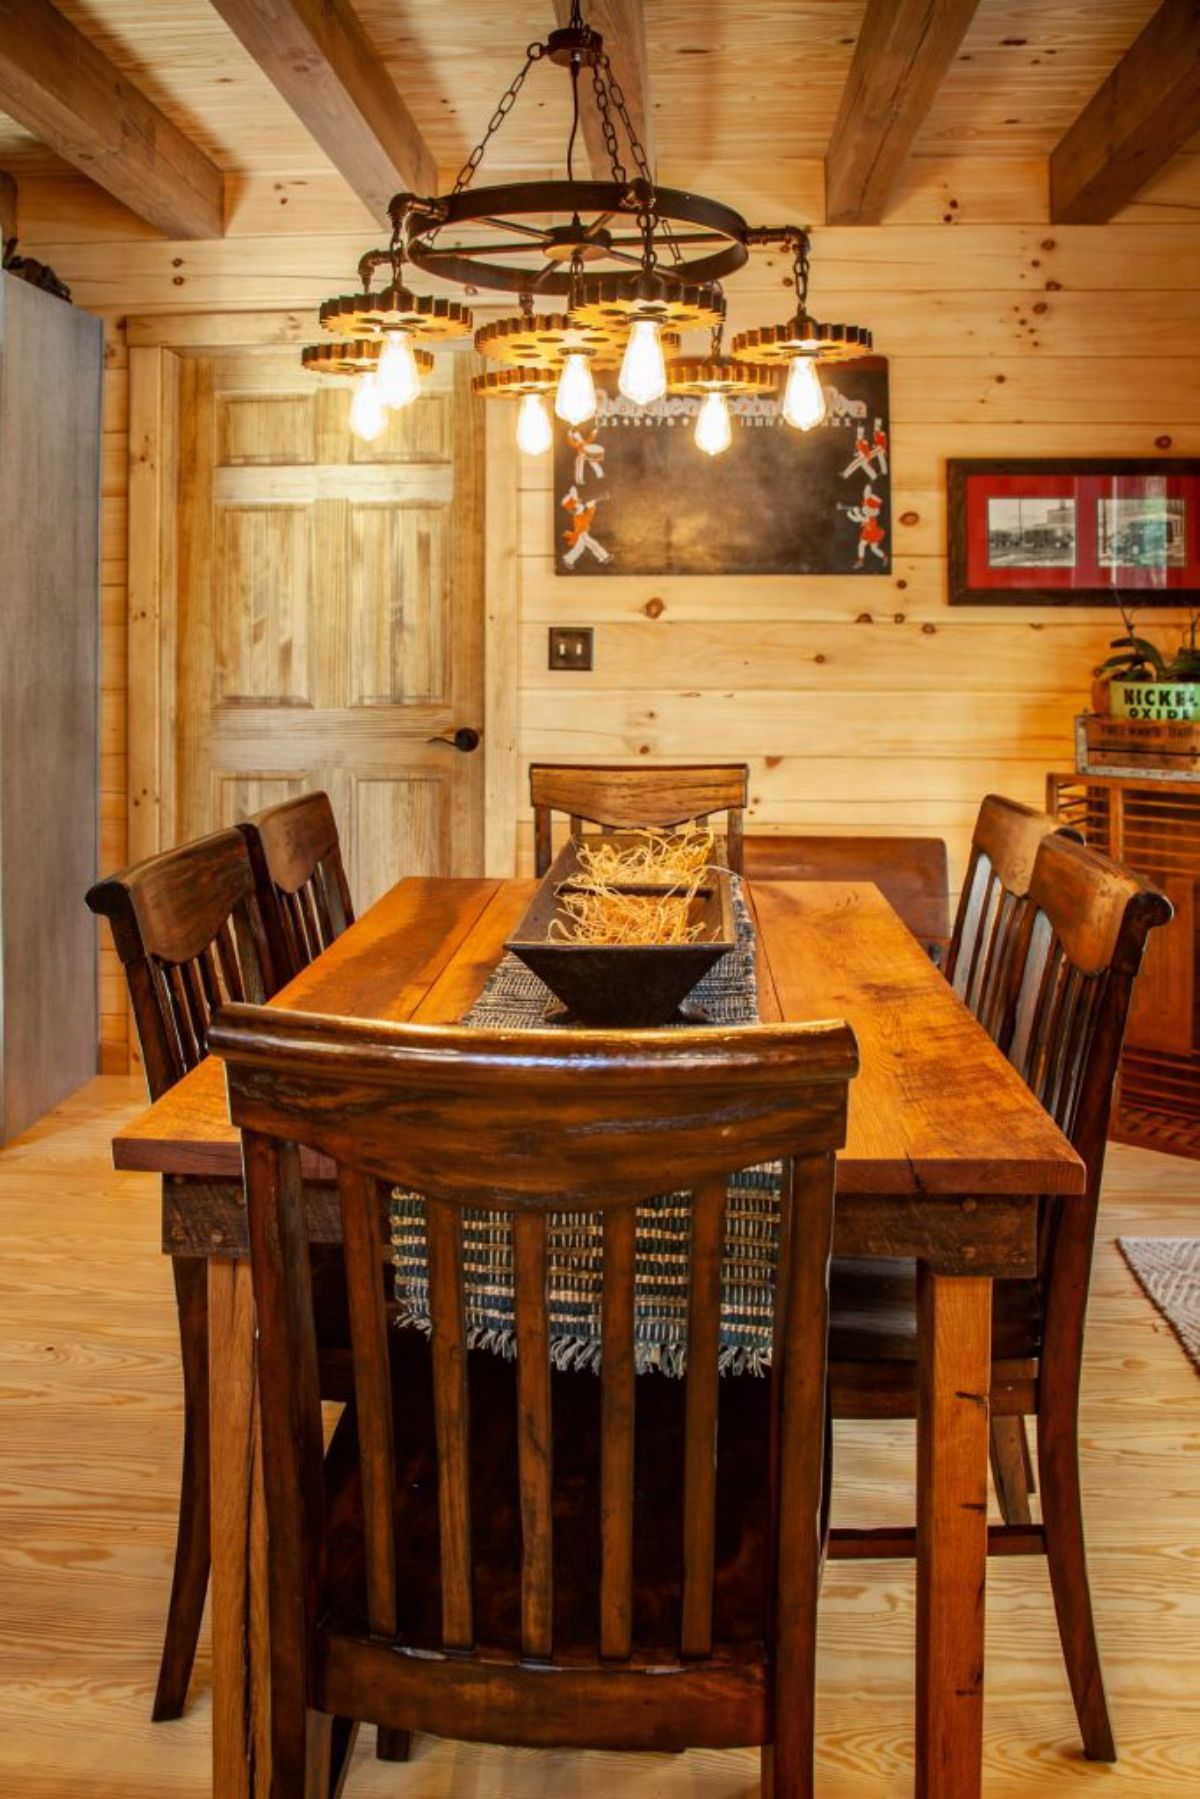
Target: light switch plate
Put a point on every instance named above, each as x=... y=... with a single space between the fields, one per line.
x=571 y=646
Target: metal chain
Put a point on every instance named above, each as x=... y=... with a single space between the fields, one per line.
x=800 y=272
x=504 y=106
x=616 y=93
x=611 y=142
x=646 y=216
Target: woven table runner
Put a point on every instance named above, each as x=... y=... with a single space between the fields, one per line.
x=514 y=999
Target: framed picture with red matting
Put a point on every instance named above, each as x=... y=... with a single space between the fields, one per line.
x=1074 y=532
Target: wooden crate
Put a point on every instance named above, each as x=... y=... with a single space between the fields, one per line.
x=1140 y=748
x=1153 y=825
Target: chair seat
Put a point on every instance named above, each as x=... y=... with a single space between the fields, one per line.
x=743 y=1432
x=873 y=1313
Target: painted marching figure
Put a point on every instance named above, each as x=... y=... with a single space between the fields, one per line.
x=870 y=453
x=864 y=454
x=578 y=534
x=880 y=444
x=871 y=533
x=589 y=454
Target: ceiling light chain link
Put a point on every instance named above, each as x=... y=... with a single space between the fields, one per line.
x=800 y=271
x=504 y=106
x=611 y=142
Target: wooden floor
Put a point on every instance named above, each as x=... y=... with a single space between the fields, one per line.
x=88 y=1450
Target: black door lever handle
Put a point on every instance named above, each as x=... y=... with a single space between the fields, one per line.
x=466 y=739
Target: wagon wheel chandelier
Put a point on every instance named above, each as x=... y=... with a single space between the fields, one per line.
x=622 y=267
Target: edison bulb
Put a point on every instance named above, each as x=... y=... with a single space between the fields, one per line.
x=397 y=375
x=576 y=396
x=368 y=414
x=534 y=435
x=804 y=397
x=643 y=372
x=713 y=432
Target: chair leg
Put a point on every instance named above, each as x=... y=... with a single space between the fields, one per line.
x=1062 y=1518
x=342 y=1738
x=1010 y=1459
x=189 y=1582
x=393 y=1745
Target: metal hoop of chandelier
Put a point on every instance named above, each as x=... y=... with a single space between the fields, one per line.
x=583 y=212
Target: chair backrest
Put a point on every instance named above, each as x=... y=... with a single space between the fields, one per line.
x=910 y=872
x=1080 y=946
x=631 y=797
x=993 y=905
x=533 y=1123
x=296 y=856
x=190 y=934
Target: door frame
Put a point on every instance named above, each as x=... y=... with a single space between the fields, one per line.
x=156 y=344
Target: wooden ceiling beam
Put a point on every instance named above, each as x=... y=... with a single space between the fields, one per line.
x=319 y=57
x=622 y=25
x=903 y=52
x=1146 y=110
x=59 y=86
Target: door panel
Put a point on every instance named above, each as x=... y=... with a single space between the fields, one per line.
x=329 y=611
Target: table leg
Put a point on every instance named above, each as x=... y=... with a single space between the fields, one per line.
x=232 y=1432
x=954 y=1349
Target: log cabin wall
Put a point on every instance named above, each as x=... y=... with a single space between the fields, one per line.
x=863 y=704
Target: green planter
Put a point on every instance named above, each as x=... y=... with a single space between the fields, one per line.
x=1160 y=701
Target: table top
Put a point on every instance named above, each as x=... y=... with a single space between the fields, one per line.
x=936 y=1109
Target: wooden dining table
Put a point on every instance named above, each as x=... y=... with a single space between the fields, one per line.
x=946 y=1158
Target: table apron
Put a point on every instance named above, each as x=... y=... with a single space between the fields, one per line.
x=953 y=1234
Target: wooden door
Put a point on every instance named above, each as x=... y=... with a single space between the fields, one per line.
x=328 y=600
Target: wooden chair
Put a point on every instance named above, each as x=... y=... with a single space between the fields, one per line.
x=481 y=1556
x=993 y=902
x=1078 y=949
x=910 y=872
x=631 y=797
x=302 y=888
x=190 y=935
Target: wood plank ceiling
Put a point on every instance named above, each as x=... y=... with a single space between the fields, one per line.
x=374 y=94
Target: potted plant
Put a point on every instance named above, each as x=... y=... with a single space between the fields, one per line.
x=1138 y=682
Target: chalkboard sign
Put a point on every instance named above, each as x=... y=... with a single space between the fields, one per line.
x=635 y=496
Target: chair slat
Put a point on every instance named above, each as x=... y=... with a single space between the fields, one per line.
x=181 y=1011
x=700 y=1427
x=444 y=1235
x=534 y=1434
x=231 y=973
x=372 y=1391
x=617 y=1436
x=318 y=888
x=312 y=933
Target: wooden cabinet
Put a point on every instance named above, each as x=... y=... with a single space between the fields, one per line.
x=1154 y=826
x=51 y=364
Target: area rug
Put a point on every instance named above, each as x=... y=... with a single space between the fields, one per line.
x=1169 y=1269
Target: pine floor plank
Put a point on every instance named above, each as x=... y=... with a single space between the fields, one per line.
x=88 y=1470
